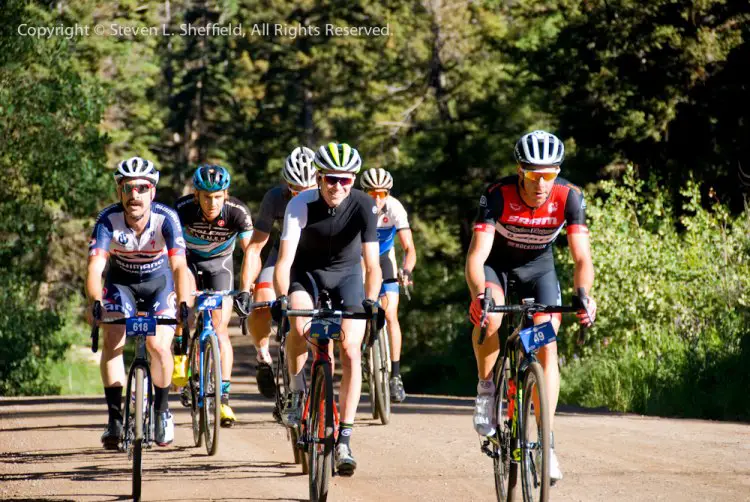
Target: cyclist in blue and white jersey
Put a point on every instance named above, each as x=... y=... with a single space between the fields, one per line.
x=142 y=242
x=213 y=222
x=392 y=220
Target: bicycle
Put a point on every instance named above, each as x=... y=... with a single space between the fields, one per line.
x=204 y=370
x=518 y=375
x=137 y=431
x=320 y=417
x=376 y=370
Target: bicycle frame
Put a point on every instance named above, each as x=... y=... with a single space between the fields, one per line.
x=207 y=331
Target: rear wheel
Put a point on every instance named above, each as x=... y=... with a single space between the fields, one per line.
x=138 y=421
x=535 y=437
x=381 y=376
x=321 y=433
x=368 y=372
x=212 y=394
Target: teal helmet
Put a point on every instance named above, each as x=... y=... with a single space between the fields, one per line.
x=211 y=178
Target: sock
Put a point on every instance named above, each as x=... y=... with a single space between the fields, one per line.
x=345 y=433
x=552 y=440
x=395 y=368
x=485 y=387
x=225 y=385
x=113 y=396
x=161 y=399
x=263 y=356
x=297 y=382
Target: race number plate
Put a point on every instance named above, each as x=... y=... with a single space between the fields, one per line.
x=210 y=302
x=535 y=337
x=325 y=329
x=140 y=326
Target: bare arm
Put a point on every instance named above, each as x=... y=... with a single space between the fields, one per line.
x=94 y=272
x=580 y=250
x=251 y=246
x=182 y=278
x=283 y=267
x=479 y=251
x=373 y=274
x=410 y=254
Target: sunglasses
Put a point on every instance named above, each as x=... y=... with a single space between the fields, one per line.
x=378 y=194
x=535 y=176
x=137 y=187
x=332 y=179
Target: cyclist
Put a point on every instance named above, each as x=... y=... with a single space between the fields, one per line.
x=212 y=222
x=326 y=232
x=519 y=218
x=299 y=175
x=140 y=240
x=392 y=220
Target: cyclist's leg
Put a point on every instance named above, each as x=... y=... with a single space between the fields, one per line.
x=301 y=296
x=547 y=291
x=486 y=354
x=389 y=300
x=118 y=301
x=260 y=319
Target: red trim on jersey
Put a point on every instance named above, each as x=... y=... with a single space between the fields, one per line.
x=177 y=252
x=578 y=229
x=484 y=227
x=262 y=285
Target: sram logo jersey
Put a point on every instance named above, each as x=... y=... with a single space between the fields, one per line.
x=524 y=233
x=137 y=258
x=391 y=219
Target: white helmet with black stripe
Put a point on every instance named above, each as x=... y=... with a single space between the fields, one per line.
x=539 y=148
x=338 y=157
x=376 y=179
x=137 y=167
x=299 y=167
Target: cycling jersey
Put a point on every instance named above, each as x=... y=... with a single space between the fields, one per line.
x=272 y=209
x=525 y=234
x=208 y=240
x=134 y=259
x=329 y=238
x=391 y=218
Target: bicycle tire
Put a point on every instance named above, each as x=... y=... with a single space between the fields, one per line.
x=381 y=377
x=196 y=414
x=140 y=374
x=321 y=432
x=500 y=447
x=535 y=476
x=212 y=395
x=368 y=371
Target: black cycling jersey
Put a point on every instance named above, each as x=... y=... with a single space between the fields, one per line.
x=208 y=240
x=329 y=238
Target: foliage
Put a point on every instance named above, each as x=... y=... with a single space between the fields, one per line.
x=673 y=305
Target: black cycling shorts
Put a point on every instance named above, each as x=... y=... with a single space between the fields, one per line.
x=345 y=287
x=214 y=274
x=543 y=287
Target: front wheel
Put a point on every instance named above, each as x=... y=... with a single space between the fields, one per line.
x=194 y=384
x=212 y=394
x=535 y=437
x=321 y=433
x=500 y=445
x=138 y=420
x=381 y=377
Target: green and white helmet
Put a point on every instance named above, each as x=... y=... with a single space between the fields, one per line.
x=338 y=157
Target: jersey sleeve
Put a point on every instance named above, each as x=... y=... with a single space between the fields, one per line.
x=243 y=222
x=370 y=216
x=295 y=219
x=172 y=232
x=400 y=218
x=575 y=211
x=101 y=236
x=264 y=219
x=487 y=215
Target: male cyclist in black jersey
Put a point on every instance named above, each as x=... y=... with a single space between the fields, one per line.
x=299 y=174
x=392 y=220
x=326 y=232
x=519 y=218
x=142 y=243
x=212 y=222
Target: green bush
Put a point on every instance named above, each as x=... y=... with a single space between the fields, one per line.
x=671 y=336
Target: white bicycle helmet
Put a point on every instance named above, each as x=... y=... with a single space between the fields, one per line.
x=299 y=169
x=376 y=179
x=338 y=157
x=137 y=167
x=539 y=148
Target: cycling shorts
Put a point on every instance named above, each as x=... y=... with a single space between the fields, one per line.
x=345 y=287
x=214 y=274
x=390 y=273
x=155 y=296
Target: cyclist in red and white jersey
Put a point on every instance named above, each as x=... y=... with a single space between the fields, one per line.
x=519 y=218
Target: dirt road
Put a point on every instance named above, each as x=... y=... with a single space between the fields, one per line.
x=50 y=450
